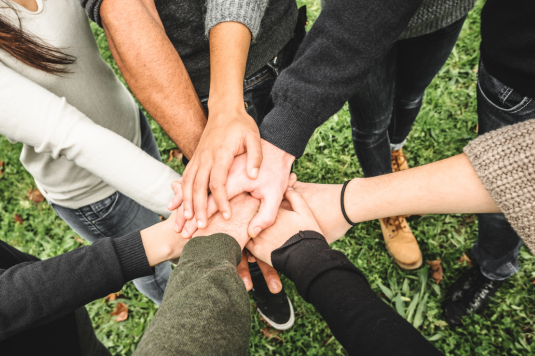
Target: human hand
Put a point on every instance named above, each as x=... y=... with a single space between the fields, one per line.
x=244 y=207
x=288 y=224
x=229 y=132
x=269 y=187
x=324 y=202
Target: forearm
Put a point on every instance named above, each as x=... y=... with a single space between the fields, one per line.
x=205 y=307
x=38 y=292
x=153 y=69
x=358 y=318
x=449 y=186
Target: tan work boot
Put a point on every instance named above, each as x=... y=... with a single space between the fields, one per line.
x=400 y=242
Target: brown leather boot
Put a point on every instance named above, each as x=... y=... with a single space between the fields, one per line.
x=399 y=161
x=400 y=242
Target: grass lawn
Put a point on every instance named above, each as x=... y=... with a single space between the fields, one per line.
x=446 y=123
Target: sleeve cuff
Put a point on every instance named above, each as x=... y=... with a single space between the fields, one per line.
x=307 y=255
x=216 y=247
x=132 y=256
x=248 y=13
x=288 y=128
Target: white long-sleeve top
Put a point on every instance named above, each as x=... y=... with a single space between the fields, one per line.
x=80 y=131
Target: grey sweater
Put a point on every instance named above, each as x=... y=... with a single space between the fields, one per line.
x=187 y=23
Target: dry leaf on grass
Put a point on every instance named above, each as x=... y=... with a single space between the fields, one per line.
x=533 y=280
x=121 y=310
x=78 y=239
x=175 y=154
x=477 y=128
x=35 y=196
x=162 y=218
x=112 y=296
x=436 y=267
x=18 y=219
x=270 y=333
x=465 y=258
x=1 y=167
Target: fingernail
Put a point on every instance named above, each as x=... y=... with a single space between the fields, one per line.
x=186 y=214
x=290 y=188
x=275 y=286
x=169 y=206
x=200 y=224
x=256 y=231
x=247 y=283
x=184 y=233
x=226 y=216
x=176 y=227
x=254 y=172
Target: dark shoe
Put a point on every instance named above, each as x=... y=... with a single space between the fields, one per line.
x=276 y=309
x=468 y=295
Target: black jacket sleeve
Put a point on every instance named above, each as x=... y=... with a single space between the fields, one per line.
x=347 y=40
x=357 y=317
x=34 y=292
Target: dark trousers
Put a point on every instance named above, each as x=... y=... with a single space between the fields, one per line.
x=498 y=245
x=385 y=107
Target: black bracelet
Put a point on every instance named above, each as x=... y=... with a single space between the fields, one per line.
x=342 y=204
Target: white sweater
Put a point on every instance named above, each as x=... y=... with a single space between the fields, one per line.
x=80 y=131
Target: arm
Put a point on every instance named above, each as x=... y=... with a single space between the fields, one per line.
x=206 y=309
x=35 y=292
x=152 y=67
x=51 y=125
x=357 y=317
x=346 y=41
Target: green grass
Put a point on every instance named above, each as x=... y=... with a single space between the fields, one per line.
x=446 y=123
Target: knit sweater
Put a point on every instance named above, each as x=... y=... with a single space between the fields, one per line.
x=504 y=162
x=188 y=23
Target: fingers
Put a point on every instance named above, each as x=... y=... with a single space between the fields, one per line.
x=200 y=195
x=299 y=204
x=254 y=156
x=187 y=188
x=177 y=199
x=292 y=179
x=189 y=228
x=218 y=181
x=271 y=276
x=243 y=271
x=265 y=217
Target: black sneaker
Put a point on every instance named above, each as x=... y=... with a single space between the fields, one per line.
x=276 y=309
x=468 y=295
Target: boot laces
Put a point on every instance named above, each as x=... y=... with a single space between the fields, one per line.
x=396 y=221
x=398 y=159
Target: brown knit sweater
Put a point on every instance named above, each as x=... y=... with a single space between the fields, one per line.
x=504 y=161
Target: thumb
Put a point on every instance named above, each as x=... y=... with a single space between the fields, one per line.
x=299 y=205
x=267 y=213
x=292 y=179
x=254 y=156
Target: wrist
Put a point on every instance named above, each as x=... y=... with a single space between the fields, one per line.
x=352 y=201
x=161 y=243
x=278 y=155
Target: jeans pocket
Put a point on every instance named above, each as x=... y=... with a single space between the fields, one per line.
x=499 y=95
x=104 y=207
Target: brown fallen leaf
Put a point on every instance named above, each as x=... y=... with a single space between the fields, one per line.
x=35 y=196
x=1 y=168
x=162 y=218
x=436 y=267
x=121 y=310
x=475 y=69
x=175 y=153
x=78 y=239
x=112 y=296
x=533 y=280
x=270 y=333
x=465 y=258
x=477 y=128
x=18 y=219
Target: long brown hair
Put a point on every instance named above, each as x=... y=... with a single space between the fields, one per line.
x=31 y=50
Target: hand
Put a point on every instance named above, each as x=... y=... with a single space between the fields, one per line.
x=288 y=224
x=244 y=207
x=269 y=188
x=229 y=133
x=270 y=274
x=324 y=202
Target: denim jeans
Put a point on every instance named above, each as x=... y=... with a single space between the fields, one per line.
x=386 y=105
x=498 y=245
x=257 y=88
x=118 y=215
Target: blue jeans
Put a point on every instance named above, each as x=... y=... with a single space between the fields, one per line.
x=498 y=245
x=118 y=215
x=386 y=105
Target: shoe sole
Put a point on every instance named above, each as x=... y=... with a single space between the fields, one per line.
x=284 y=326
x=406 y=266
